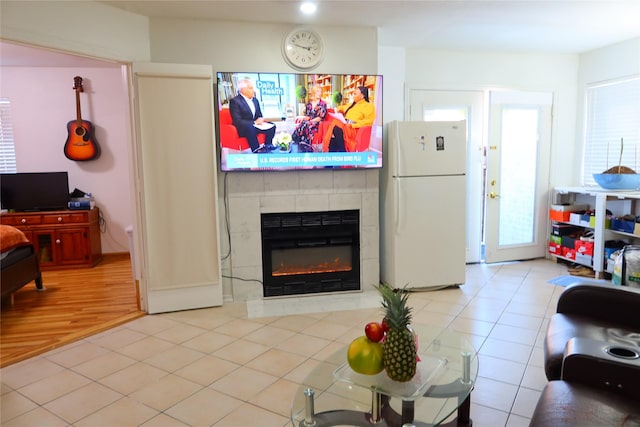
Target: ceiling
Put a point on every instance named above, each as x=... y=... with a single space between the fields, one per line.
x=534 y=26
x=507 y=25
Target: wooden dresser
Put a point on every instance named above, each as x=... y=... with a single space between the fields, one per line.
x=62 y=239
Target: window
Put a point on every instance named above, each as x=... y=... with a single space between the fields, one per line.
x=612 y=117
x=7 y=147
x=273 y=91
x=520 y=131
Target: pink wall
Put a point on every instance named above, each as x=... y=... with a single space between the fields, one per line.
x=43 y=101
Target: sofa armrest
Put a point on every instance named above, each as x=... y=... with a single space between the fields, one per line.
x=616 y=304
x=604 y=365
x=565 y=404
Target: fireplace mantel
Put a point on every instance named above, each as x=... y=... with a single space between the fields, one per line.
x=250 y=194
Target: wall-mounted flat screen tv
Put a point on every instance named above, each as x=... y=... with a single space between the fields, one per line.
x=34 y=191
x=288 y=121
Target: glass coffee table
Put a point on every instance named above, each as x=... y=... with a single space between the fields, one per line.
x=439 y=394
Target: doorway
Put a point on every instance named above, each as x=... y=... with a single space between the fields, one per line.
x=41 y=82
x=432 y=105
x=508 y=146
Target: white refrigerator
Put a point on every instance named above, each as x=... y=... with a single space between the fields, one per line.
x=423 y=197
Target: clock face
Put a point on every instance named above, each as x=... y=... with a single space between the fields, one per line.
x=302 y=49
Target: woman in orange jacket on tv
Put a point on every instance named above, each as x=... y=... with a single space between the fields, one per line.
x=341 y=134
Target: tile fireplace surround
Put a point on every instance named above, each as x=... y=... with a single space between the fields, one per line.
x=250 y=194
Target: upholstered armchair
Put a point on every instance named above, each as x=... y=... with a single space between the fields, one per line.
x=573 y=404
x=363 y=134
x=363 y=139
x=229 y=134
x=598 y=387
x=592 y=359
x=599 y=312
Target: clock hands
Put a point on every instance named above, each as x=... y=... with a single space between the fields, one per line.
x=303 y=47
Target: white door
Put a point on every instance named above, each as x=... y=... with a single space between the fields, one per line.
x=435 y=105
x=517 y=175
x=175 y=156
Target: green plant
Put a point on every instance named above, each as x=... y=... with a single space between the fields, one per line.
x=301 y=92
x=336 y=98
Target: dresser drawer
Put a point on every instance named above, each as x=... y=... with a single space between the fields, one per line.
x=64 y=218
x=17 y=219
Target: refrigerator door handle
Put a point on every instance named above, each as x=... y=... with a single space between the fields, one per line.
x=397 y=149
x=398 y=173
x=398 y=204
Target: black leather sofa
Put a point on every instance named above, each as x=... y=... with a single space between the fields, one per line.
x=592 y=359
x=595 y=311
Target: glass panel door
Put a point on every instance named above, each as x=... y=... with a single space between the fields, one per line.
x=517 y=175
x=519 y=150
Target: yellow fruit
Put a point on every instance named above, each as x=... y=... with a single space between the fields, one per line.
x=365 y=356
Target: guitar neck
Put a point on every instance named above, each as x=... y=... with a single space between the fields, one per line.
x=78 y=115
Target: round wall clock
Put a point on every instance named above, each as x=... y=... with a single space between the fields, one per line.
x=302 y=49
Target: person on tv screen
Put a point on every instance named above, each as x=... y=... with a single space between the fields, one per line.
x=246 y=116
x=315 y=112
x=341 y=134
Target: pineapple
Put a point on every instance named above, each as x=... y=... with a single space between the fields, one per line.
x=399 y=347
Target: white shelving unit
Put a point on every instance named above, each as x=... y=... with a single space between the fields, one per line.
x=618 y=202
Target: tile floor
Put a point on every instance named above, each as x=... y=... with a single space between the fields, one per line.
x=240 y=364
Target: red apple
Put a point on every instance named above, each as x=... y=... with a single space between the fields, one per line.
x=385 y=325
x=374 y=331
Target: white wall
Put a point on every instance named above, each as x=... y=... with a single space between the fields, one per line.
x=85 y=27
x=241 y=46
x=609 y=63
x=392 y=66
x=42 y=102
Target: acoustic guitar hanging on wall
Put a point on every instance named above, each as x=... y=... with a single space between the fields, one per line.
x=81 y=144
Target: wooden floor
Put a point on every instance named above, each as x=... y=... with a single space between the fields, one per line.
x=76 y=303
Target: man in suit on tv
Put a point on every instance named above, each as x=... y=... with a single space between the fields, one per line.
x=245 y=114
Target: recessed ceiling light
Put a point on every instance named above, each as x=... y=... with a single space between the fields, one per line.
x=308 y=8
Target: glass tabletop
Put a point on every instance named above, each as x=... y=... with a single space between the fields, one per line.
x=333 y=395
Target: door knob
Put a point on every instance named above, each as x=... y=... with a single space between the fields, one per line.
x=493 y=195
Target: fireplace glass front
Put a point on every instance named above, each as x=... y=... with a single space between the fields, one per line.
x=310 y=252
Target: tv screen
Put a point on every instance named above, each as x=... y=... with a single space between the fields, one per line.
x=34 y=191
x=289 y=121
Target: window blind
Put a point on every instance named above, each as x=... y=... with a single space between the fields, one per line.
x=7 y=146
x=612 y=117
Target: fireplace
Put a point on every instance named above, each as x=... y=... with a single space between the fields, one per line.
x=310 y=252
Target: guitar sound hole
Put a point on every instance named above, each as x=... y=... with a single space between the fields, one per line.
x=80 y=131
